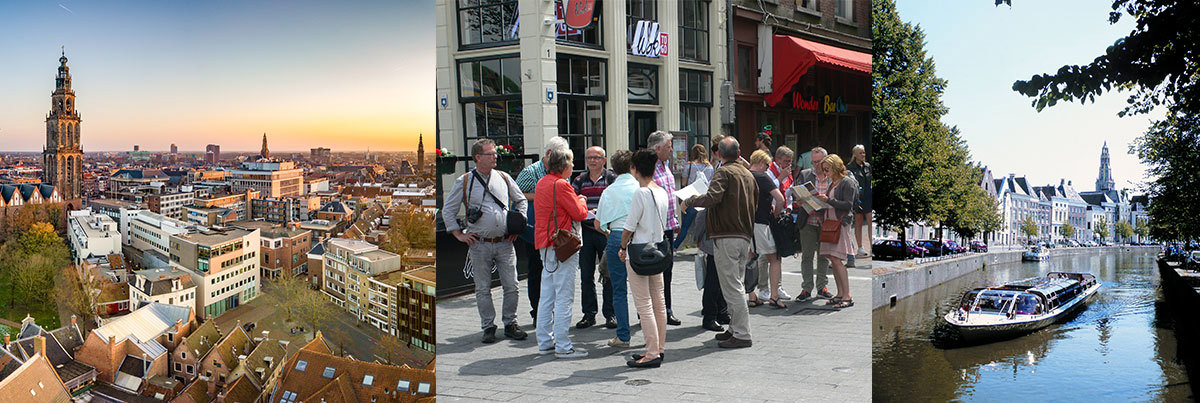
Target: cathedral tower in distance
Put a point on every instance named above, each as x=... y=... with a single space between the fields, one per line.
x=63 y=157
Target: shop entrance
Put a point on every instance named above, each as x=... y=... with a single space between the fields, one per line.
x=641 y=124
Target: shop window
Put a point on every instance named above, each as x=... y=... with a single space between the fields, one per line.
x=486 y=23
x=490 y=94
x=643 y=84
x=582 y=86
x=695 y=104
x=591 y=36
x=693 y=30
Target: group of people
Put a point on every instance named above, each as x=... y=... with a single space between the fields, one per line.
x=633 y=203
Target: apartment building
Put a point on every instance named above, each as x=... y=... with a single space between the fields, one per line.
x=92 y=234
x=349 y=265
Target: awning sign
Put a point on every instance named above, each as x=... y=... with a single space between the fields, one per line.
x=647 y=41
x=826 y=105
x=579 y=13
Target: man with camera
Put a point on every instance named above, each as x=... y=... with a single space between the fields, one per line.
x=495 y=214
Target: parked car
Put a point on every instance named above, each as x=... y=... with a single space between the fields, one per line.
x=1074 y=243
x=934 y=247
x=891 y=249
x=978 y=246
x=954 y=247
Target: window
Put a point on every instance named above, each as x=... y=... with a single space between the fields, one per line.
x=423 y=387
x=695 y=104
x=178 y=367
x=490 y=93
x=811 y=6
x=221 y=377
x=638 y=10
x=183 y=355
x=590 y=36
x=191 y=369
x=328 y=372
x=643 y=84
x=402 y=385
x=486 y=23
x=288 y=396
x=301 y=365
x=844 y=10
x=693 y=29
x=368 y=379
x=582 y=90
x=747 y=68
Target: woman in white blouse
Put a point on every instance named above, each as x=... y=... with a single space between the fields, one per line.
x=645 y=224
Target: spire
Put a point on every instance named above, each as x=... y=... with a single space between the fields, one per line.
x=266 y=154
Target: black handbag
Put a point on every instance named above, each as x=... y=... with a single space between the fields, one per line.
x=783 y=230
x=648 y=259
x=514 y=221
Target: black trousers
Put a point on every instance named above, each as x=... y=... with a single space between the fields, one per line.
x=712 y=300
x=590 y=253
x=670 y=237
x=533 y=270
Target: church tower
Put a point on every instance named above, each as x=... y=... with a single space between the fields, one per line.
x=265 y=154
x=420 y=152
x=1105 y=181
x=63 y=157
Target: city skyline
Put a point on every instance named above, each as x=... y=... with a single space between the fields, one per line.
x=981 y=49
x=308 y=74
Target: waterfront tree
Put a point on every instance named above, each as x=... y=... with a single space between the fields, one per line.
x=1124 y=230
x=1101 y=228
x=1029 y=228
x=1142 y=230
x=1067 y=231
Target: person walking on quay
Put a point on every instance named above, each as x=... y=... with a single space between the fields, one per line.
x=611 y=213
x=487 y=192
x=863 y=216
x=527 y=180
x=770 y=203
x=842 y=193
x=561 y=209
x=664 y=176
x=591 y=184
x=730 y=203
x=646 y=224
x=810 y=234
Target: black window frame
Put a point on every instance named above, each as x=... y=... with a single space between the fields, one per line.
x=595 y=28
x=570 y=92
x=480 y=5
x=696 y=102
x=699 y=33
x=655 y=79
x=507 y=99
x=646 y=10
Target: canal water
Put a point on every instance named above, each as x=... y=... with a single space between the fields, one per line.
x=1120 y=347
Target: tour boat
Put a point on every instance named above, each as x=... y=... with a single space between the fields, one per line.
x=1035 y=254
x=1021 y=307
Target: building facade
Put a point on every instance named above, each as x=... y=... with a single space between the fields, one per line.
x=63 y=156
x=223 y=264
x=164 y=285
x=92 y=234
x=170 y=204
x=272 y=179
x=349 y=265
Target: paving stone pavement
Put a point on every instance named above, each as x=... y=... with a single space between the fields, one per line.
x=805 y=353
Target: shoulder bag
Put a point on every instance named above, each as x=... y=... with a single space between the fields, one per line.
x=514 y=221
x=565 y=242
x=831 y=230
x=648 y=259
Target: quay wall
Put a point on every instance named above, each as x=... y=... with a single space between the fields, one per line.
x=894 y=286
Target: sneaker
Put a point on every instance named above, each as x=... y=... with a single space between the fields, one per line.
x=617 y=342
x=850 y=261
x=763 y=294
x=824 y=293
x=546 y=351
x=862 y=251
x=572 y=353
x=783 y=294
x=734 y=342
x=489 y=335
x=514 y=332
x=804 y=296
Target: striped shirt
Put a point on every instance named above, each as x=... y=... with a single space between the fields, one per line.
x=584 y=185
x=666 y=179
x=528 y=178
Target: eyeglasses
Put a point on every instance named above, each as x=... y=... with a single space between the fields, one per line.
x=491 y=154
x=595 y=157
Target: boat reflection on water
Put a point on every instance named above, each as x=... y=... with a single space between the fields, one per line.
x=1019 y=307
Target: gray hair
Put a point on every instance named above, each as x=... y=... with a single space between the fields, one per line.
x=479 y=145
x=558 y=159
x=557 y=142
x=820 y=150
x=729 y=148
x=784 y=151
x=658 y=138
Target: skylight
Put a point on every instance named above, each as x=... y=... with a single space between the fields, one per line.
x=301 y=365
x=328 y=372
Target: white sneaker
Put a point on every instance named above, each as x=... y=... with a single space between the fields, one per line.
x=572 y=353
x=861 y=251
x=783 y=294
x=763 y=294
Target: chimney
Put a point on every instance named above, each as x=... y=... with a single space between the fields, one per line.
x=39 y=345
x=6 y=340
x=179 y=326
x=112 y=340
x=73 y=324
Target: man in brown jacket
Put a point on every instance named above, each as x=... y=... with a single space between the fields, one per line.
x=731 y=200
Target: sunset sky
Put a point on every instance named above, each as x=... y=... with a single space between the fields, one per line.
x=348 y=76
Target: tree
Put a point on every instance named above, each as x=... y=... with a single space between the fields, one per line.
x=409 y=228
x=1142 y=230
x=312 y=308
x=1100 y=227
x=909 y=140
x=284 y=291
x=1157 y=62
x=1067 y=231
x=393 y=349
x=1028 y=227
x=76 y=292
x=29 y=262
x=1124 y=230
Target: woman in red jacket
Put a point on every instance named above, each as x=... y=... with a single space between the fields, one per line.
x=564 y=210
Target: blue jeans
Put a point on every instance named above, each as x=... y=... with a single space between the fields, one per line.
x=620 y=287
x=556 y=300
x=689 y=216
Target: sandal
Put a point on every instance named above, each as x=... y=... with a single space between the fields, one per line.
x=753 y=303
x=843 y=304
x=774 y=303
x=833 y=301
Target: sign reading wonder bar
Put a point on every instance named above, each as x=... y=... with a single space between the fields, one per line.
x=647 y=41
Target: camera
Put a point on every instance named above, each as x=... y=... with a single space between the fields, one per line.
x=473 y=214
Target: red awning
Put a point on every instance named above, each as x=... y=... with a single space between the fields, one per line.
x=794 y=56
